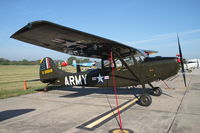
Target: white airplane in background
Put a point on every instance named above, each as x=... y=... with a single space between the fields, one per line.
x=192 y=64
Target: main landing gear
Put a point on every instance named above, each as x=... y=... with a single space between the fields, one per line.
x=145 y=99
x=156 y=91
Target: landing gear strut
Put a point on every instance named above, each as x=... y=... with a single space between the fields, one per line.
x=145 y=98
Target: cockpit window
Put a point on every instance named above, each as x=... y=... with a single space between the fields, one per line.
x=129 y=60
x=118 y=63
x=106 y=63
x=139 y=57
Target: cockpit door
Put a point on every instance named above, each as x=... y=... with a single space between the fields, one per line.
x=123 y=74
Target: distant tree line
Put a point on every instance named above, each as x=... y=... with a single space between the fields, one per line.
x=37 y=62
x=21 y=62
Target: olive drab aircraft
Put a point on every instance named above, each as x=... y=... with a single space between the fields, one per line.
x=131 y=66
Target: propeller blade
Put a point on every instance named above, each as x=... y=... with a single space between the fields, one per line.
x=181 y=58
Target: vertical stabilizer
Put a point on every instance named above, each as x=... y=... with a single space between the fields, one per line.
x=48 y=70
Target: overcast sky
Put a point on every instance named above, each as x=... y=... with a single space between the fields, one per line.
x=143 y=24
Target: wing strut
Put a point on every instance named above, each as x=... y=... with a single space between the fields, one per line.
x=115 y=90
x=126 y=65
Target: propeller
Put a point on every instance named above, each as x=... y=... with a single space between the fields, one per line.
x=181 y=59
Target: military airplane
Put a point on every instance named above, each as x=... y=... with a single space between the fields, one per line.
x=134 y=67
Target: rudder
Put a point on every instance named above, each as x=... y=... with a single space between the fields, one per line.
x=48 y=70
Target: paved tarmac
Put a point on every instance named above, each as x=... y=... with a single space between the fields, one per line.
x=67 y=110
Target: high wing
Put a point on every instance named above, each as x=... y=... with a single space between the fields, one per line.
x=70 y=41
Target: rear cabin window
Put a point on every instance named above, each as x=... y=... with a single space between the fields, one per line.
x=106 y=63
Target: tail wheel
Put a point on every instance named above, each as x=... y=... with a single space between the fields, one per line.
x=45 y=89
x=157 y=91
x=145 y=100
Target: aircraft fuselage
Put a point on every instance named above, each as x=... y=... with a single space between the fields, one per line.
x=149 y=70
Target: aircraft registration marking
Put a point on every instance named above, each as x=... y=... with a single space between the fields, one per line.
x=47 y=71
x=107 y=116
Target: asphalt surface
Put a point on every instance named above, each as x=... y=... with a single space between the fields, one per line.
x=66 y=110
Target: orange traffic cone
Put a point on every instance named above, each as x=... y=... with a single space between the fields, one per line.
x=25 y=87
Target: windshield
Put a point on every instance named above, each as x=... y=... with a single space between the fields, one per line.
x=131 y=59
x=139 y=56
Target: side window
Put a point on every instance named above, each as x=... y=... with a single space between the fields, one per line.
x=142 y=58
x=129 y=60
x=106 y=63
x=139 y=59
x=118 y=63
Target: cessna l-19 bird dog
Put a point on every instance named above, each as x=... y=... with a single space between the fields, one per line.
x=131 y=66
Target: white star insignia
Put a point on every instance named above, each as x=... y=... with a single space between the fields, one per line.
x=100 y=78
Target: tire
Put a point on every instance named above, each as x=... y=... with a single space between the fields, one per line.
x=156 y=91
x=45 y=89
x=145 y=100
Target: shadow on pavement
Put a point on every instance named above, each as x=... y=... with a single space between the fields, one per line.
x=83 y=91
x=8 y=114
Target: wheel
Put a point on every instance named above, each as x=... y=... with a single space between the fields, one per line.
x=156 y=91
x=45 y=89
x=145 y=100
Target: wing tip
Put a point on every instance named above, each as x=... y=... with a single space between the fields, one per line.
x=28 y=26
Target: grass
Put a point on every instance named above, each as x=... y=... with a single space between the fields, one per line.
x=17 y=92
x=12 y=79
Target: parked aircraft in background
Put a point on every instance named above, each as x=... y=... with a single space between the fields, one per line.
x=192 y=64
x=87 y=64
x=64 y=63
